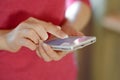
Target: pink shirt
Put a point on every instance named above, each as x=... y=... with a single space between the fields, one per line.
x=25 y=64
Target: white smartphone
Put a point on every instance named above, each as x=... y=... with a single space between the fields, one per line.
x=71 y=43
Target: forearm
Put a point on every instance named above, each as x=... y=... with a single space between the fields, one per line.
x=81 y=19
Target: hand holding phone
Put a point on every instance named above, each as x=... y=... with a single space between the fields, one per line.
x=71 y=43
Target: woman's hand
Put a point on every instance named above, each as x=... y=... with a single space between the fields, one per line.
x=29 y=33
x=67 y=28
x=32 y=33
x=48 y=54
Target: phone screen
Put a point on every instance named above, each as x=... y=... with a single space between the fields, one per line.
x=68 y=41
x=71 y=43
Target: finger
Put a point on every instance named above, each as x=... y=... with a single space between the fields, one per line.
x=56 y=31
x=38 y=54
x=59 y=27
x=30 y=34
x=43 y=54
x=62 y=53
x=41 y=32
x=51 y=52
x=37 y=27
x=80 y=34
x=27 y=43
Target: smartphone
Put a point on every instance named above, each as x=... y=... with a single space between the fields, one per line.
x=71 y=43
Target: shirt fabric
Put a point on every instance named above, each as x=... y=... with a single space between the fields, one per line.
x=25 y=64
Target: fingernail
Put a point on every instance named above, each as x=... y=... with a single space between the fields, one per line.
x=59 y=27
x=44 y=45
x=45 y=37
x=66 y=36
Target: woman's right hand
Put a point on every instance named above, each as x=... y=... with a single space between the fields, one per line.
x=29 y=33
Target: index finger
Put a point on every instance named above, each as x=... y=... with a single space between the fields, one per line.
x=56 y=31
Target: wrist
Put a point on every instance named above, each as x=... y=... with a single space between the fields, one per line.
x=3 y=43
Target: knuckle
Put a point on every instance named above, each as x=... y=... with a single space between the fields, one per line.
x=49 y=23
x=57 y=59
x=59 y=27
x=33 y=48
x=56 y=30
x=30 y=18
x=14 y=50
x=47 y=60
x=23 y=24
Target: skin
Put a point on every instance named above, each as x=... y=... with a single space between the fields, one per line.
x=32 y=33
x=83 y=15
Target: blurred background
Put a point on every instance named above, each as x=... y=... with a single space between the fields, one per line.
x=101 y=61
